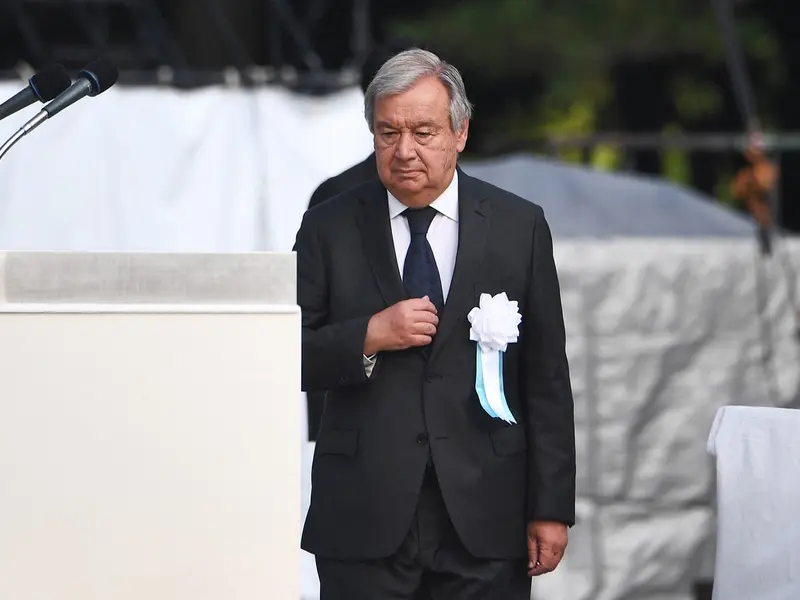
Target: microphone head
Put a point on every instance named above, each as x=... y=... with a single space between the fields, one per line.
x=49 y=82
x=101 y=74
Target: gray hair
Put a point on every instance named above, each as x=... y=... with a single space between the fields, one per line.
x=403 y=70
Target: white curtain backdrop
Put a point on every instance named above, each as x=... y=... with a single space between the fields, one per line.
x=158 y=169
x=216 y=170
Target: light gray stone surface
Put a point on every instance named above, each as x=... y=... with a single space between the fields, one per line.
x=660 y=334
x=148 y=278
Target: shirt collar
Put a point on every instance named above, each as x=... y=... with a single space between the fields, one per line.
x=447 y=203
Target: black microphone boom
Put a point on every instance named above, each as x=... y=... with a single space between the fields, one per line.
x=94 y=79
x=43 y=87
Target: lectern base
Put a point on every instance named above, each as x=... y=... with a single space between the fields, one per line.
x=150 y=452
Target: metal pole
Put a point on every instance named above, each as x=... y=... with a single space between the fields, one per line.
x=743 y=89
x=301 y=39
x=236 y=50
x=28 y=31
x=25 y=130
x=710 y=142
x=775 y=194
x=361 y=31
x=10 y=143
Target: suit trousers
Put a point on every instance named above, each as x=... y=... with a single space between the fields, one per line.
x=431 y=564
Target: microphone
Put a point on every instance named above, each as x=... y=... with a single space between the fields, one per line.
x=94 y=79
x=44 y=86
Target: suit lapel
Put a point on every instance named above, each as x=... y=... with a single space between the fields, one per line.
x=373 y=221
x=473 y=227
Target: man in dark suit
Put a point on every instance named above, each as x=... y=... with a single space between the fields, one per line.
x=445 y=463
x=348 y=179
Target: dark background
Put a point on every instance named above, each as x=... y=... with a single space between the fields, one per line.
x=533 y=68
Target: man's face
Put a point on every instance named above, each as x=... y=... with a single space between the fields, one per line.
x=415 y=146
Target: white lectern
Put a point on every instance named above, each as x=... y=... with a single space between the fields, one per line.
x=149 y=415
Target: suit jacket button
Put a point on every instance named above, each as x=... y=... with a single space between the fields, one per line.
x=422 y=439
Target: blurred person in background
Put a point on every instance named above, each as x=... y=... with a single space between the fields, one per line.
x=366 y=169
x=346 y=180
x=420 y=488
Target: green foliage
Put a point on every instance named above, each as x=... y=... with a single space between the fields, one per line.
x=695 y=97
x=675 y=163
x=573 y=45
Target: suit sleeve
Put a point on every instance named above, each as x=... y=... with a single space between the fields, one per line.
x=332 y=353
x=551 y=421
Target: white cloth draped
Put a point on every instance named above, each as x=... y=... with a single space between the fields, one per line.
x=758 y=488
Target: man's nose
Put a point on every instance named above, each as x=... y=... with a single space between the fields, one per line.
x=406 y=147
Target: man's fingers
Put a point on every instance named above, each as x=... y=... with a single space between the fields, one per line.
x=425 y=316
x=422 y=304
x=423 y=328
x=539 y=569
x=533 y=554
x=549 y=558
x=550 y=540
x=421 y=340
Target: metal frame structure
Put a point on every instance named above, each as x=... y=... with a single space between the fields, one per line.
x=156 y=56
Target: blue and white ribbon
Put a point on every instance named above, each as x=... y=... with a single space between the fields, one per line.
x=489 y=385
x=495 y=324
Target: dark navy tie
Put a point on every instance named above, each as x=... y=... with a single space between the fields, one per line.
x=420 y=273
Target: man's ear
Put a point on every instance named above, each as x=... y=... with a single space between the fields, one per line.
x=461 y=136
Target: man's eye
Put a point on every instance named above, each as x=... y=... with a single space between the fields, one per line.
x=424 y=134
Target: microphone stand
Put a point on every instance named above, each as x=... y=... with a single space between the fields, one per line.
x=21 y=133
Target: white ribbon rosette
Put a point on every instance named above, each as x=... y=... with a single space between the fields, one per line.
x=495 y=325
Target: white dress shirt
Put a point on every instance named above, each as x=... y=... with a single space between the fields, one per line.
x=442 y=236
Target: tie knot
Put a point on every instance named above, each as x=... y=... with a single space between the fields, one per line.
x=419 y=219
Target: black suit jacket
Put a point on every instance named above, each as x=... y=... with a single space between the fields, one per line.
x=376 y=433
x=366 y=170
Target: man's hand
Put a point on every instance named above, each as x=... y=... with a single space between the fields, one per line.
x=403 y=325
x=547 y=541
